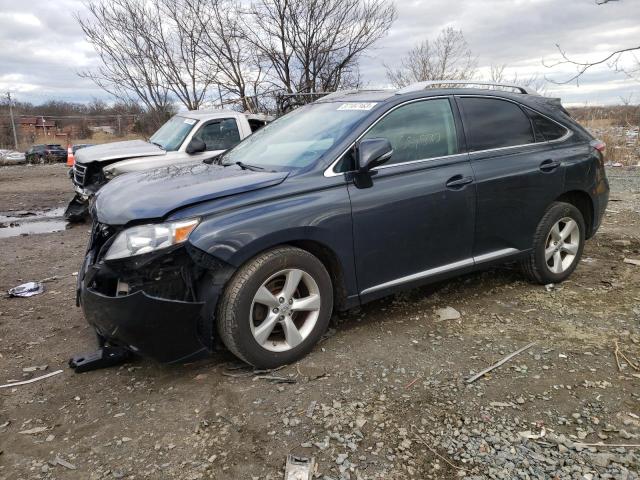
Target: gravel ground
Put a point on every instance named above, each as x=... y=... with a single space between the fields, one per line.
x=383 y=396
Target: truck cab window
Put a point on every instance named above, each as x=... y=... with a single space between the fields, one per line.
x=219 y=134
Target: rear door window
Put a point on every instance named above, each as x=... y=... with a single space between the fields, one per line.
x=219 y=134
x=418 y=131
x=494 y=123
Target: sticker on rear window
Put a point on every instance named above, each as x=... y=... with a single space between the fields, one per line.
x=189 y=121
x=357 y=106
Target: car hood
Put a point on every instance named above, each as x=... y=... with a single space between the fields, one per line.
x=152 y=194
x=107 y=152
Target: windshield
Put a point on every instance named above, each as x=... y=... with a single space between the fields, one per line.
x=171 y=135
x=299 y=138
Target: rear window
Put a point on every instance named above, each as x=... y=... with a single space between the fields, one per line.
x=493 y=123
x=546 y=129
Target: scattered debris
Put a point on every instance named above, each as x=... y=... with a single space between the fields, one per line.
x=618 y=353
x=107 y=356
x=607 y=445
x=448 y=313
x=632 y=261
x=411 y=383
x=35 y=368
x=276 y=379
x=62 y=462
x=35 y=379
x=497 y=364
x=34 y=430
x=28 y=289
x=532 y=436
x=299 y=468
x=432 y=450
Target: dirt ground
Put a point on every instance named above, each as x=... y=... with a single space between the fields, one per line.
x=382 y=396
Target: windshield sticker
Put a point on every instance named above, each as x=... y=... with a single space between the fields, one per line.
x=189 y=121
x=357 y=106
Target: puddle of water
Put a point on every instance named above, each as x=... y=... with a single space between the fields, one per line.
x=13 y=224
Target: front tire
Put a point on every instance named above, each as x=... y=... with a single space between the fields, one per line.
x=557 y=245
x=275 y=307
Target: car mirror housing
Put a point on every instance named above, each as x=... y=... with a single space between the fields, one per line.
x=373 y=152
x=196 y=146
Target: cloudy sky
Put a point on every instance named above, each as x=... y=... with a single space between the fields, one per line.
x=42 y=47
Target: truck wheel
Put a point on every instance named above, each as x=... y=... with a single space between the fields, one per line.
x=557 y=245
x=275 y=307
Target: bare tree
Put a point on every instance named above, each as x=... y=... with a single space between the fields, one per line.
x=179 y=38
x=314 y=45
x=125 y=69
x=158 y=51
x=613 y=60
x=448 y=56
x=148 y=51
x=498 y=74
x=239 y=74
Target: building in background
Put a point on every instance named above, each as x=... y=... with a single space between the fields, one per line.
x=37 y=126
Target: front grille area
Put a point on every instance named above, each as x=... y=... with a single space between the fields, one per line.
x=79 y=174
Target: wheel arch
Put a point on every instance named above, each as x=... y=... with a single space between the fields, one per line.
x=583 y=202
x=314 y=242
x=331 y=262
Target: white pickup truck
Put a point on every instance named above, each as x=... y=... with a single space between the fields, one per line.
x=187 y=137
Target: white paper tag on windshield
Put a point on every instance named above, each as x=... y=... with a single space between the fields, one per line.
x=357 y=106
x=189 y=121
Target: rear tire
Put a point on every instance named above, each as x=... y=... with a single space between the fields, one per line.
x=557 y=245
x=275 y=307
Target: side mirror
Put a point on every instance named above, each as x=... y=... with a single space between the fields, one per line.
x=196 y=146
x=372 y=153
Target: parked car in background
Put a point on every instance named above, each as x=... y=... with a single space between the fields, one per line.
x=11 y=157
x=52 y=152
x=186 y=137
x=351 y=198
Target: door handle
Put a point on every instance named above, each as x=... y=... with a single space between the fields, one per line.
x=549 y=165
x=457 y=182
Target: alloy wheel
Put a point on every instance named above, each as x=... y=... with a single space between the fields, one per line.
x=285 y=310
x=562 y=245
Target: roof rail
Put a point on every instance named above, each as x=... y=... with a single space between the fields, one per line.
x=415 y=87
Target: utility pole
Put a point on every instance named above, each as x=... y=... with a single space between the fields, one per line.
x=13 y=124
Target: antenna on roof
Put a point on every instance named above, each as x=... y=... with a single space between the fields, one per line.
x=415 y=87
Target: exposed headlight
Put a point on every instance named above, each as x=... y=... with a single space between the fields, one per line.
x=149 y=238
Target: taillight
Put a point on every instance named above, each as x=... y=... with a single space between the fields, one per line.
x=601 y=148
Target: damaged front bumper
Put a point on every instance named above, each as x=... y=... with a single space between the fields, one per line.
x=161 y=306
x=165 y=330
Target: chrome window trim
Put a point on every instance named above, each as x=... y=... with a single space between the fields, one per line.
x=566 y=136
x=467 y=262
x=328 y=172
x=411 y=162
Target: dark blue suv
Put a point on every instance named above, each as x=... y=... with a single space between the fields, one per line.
x=351 y=198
